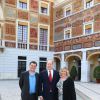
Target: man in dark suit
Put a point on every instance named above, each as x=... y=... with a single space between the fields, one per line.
x=48 y=81
x=28 y=83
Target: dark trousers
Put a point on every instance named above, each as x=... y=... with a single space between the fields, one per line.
x=49 y=97
x=30 y=97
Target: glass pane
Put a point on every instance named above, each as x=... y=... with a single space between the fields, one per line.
x=43 y=59
x=88 y=31
x=23 y=5
x=21 y=58
x=22 y=33
x=68 y=12
x=43 y=36
x=44 y=10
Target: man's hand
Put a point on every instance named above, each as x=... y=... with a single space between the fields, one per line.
x=41 y=98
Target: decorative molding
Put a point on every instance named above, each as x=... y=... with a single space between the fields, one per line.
x=91 y=52
x=78 y=43
x=12 y=2
x=78 y=54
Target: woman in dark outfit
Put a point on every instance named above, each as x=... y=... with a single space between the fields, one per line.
x=65 y=86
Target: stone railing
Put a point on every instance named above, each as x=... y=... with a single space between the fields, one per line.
x=22 y=45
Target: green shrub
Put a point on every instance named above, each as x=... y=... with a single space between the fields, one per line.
x=96 y=72
x=73 y=72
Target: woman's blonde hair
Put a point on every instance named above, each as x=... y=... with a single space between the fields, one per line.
x=67 y=71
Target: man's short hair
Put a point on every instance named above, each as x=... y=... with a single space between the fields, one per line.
x=33 y=62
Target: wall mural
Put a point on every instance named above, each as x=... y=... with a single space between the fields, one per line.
x=23 y=15
x=10 y=12
x=44 y=19
x=76 y=22
x=33 y=33
x=33 y=19
x=34 y=5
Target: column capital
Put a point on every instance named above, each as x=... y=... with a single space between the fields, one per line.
x=62 y=53
x=84 y=55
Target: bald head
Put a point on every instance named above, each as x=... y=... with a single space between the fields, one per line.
x=49 y=64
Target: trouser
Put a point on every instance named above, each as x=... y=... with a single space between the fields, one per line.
x=30 y=97
x=49 y=97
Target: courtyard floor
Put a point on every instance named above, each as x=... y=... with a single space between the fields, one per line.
x=9 y=89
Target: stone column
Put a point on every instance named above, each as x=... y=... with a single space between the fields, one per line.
x=63 y=63
x=85 y=69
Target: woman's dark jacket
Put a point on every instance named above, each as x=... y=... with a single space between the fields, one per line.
x=69 y=90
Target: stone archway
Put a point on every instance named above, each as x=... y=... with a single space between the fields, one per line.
x=76 y=61
x=94 y=60
x=57 y=63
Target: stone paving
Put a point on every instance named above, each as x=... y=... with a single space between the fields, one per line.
x=9 y=90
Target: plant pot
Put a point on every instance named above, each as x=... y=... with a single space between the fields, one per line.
x=98 y=80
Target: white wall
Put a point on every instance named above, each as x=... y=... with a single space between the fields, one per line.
x=9 y=61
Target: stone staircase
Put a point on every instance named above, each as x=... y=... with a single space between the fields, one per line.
x=87 y=91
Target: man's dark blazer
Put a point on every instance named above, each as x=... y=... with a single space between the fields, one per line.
x=24 y=85
x=69 y=90
x=45 y=85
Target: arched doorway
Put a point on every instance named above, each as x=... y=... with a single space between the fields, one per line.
x=74 y=60
x=94 y=60
x=57 y=63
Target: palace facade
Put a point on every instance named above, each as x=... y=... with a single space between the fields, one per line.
x=26 y=34
x=77 y=36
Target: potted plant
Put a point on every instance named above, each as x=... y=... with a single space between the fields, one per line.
x=73 y=72
x=96 y=74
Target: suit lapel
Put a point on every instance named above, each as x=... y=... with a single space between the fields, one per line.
x=27 y=76
x=47 y=76
x=36 y=77
x=53 y=76
x=36 y=80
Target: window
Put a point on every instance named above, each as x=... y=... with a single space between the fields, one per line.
x=67 y=10
x=21 y=64
x=43 y=39
x=22 y=5
x=42 y=64
x=22 y=36
x=67 y=34
x=44 y=10
x=22 y=33
x=89 y=3
x=88 y=28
